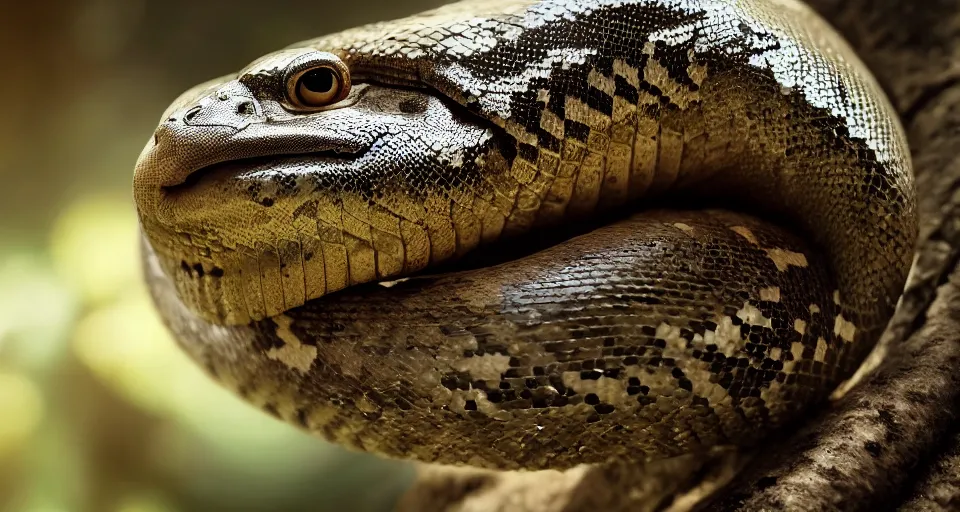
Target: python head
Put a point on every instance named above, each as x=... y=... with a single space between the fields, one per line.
x=291 y=180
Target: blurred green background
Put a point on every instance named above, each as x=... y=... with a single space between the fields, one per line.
x=99 y=411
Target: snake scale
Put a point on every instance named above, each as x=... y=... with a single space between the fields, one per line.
x=535 y=233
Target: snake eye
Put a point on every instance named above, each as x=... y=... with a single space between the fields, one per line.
x=322 y=84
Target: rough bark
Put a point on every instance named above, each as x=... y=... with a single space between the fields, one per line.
x=939 y=487
x=672 y=485
x=893 y=440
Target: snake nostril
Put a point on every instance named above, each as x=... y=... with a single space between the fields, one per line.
x=245 y=108
x=191 y=114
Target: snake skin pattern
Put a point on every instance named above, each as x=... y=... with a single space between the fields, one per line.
x=747 y=183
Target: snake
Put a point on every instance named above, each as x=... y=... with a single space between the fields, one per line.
x=531 y=234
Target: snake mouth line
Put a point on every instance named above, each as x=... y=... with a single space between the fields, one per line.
x=246 y=166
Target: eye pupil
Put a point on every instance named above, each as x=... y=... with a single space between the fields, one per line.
x=319 y=80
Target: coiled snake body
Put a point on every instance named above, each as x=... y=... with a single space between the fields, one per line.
x=303 y=221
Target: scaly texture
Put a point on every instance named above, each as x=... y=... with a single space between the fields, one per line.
x=480 y=123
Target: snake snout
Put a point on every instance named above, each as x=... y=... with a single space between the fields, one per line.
x=225 y=125
x=187 y=138
x=232 y=106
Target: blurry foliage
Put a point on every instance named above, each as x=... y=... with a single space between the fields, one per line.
x=99 y=410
